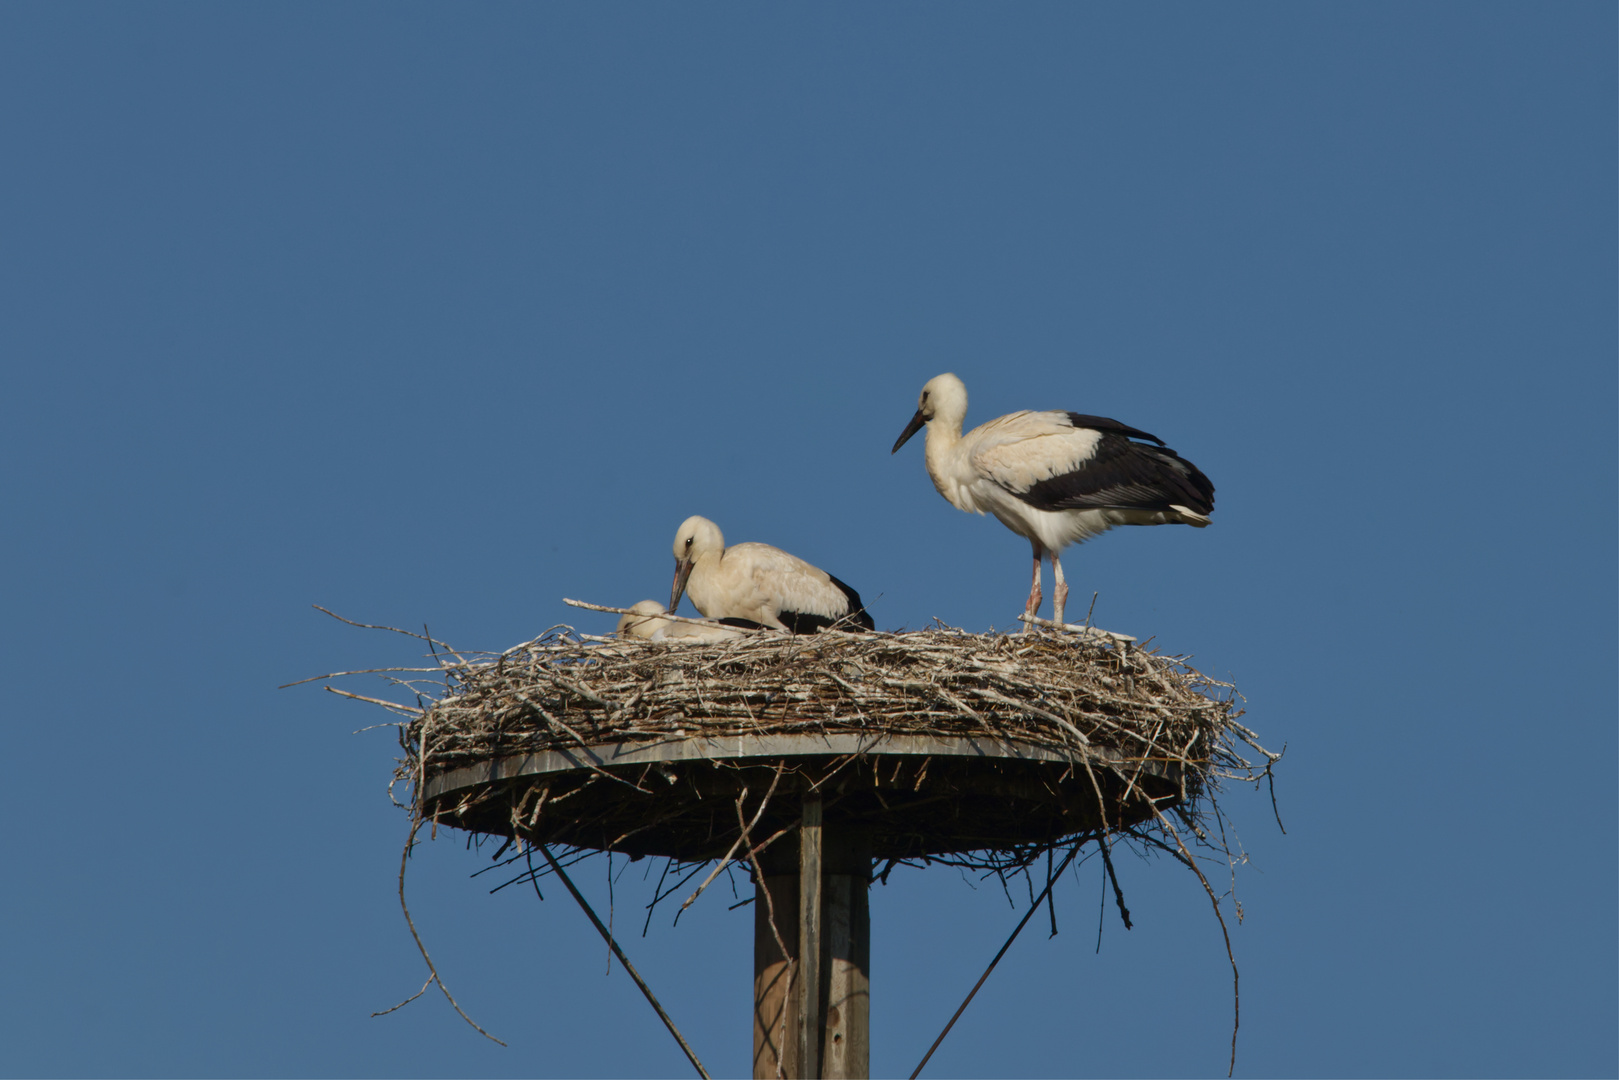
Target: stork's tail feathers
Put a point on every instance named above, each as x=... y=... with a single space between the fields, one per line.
x=858 y=618
x=1192 y=517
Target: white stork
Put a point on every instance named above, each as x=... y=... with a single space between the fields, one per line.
x=648 y=624
x=760 y=583
x=1054 y=477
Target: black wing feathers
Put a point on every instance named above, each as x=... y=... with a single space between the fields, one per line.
x=1125 y=475
x=859 y=618
x=1106 y=424
x=744 y=624
x=855 y=618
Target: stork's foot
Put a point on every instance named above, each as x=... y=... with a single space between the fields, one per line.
x=1031 y=609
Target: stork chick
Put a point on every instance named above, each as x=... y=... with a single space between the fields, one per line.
x=649 y=624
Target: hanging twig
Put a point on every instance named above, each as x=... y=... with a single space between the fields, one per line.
x=1051 y=905
x=1118 y=893
x=1236 y=996
x=746 y=830
x=433 y=975
x=658 y=893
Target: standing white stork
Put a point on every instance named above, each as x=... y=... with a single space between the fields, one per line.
x=1054 y=477
x=649 y=624
x=760 y=583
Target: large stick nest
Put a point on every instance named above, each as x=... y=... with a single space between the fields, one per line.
x=1127 y=733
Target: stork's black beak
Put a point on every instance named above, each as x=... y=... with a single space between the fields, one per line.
x=682 y=572
x=910 y=429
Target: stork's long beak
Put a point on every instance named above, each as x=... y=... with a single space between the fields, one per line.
x=682 y=572
x=910 y=429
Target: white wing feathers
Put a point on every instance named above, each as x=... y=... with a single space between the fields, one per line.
x=781 y=582
x=1020 y=449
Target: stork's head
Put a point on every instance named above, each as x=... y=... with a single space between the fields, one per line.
x=944 y=398
x=645 y=623
x=696 y=537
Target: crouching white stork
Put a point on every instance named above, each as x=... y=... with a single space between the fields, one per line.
x=648 y=624
x=760 y=583
x=1056 y=478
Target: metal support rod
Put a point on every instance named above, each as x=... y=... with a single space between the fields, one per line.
x=629 y=968
x=1034 y=907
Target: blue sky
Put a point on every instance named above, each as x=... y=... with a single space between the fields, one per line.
x=435 y=314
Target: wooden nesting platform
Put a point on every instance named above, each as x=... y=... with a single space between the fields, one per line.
x=913 y=795
x=930 y=742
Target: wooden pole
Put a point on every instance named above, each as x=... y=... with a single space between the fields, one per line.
x=808 y=988
x=820 y=1026
x=846 y=921
x=775 y=1027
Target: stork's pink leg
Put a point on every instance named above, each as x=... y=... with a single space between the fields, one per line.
x=1032 y=608
x=1060 y=595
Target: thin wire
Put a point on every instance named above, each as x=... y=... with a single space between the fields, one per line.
x=607 y=936
x=1034 y=907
